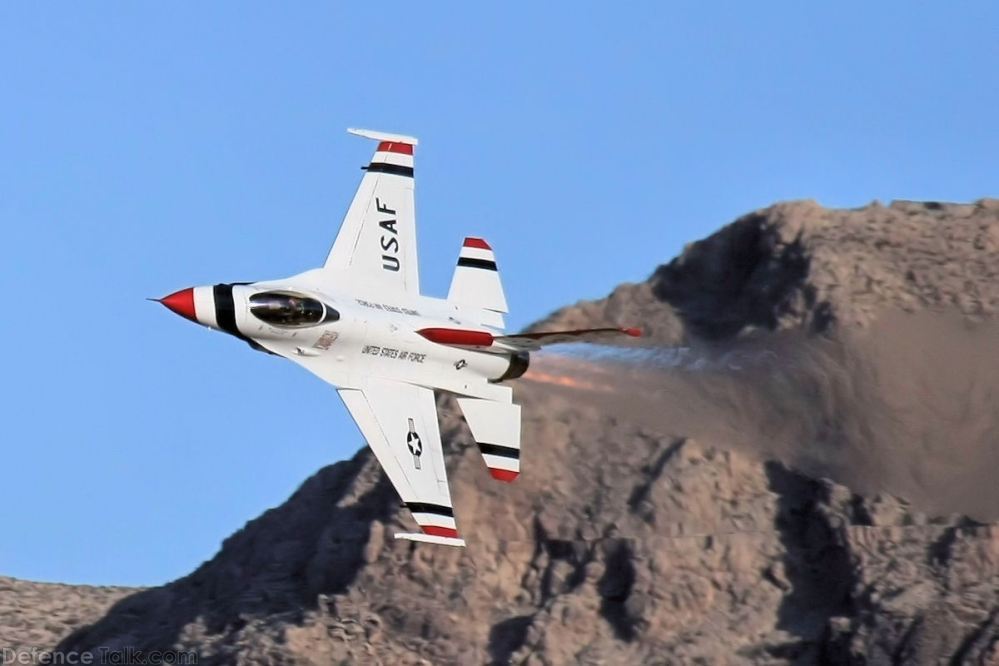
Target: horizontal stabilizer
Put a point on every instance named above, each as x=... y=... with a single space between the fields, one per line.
x=496 y=429
x=476 y=282
x=430 y=538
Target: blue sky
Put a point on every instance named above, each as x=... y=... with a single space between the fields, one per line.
x=146 y=147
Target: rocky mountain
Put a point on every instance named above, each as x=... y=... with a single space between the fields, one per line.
x=39 y=614
x=633 y=540
x=799 y=265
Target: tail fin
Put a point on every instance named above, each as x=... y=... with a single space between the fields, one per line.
x=496 y=429
x=476 y=282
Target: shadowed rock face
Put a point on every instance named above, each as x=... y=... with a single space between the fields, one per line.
x=621 y=543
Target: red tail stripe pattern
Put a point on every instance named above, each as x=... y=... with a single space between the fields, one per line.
x=503 y=474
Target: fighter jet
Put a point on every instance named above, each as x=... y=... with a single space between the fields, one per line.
x=360 y=323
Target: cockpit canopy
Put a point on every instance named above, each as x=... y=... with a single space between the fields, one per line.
x=288 y=310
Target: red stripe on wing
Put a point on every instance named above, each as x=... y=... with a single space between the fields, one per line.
x=395 y=147
x=477 y=243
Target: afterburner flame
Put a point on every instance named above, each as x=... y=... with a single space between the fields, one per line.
x=570 y=373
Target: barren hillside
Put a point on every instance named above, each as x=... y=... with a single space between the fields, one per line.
x=636 y=538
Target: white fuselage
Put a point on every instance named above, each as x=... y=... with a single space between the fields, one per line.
x=359 y=337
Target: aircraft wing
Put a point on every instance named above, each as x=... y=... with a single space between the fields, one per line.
x=399 y=421
x=534 y=341
x=375 y=249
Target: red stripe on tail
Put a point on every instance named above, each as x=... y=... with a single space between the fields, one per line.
x=503 y=474
x=436 y=530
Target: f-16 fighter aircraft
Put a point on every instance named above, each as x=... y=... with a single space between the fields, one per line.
x=360 y=323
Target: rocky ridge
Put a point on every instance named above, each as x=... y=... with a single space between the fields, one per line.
x=633 y=546
x=799 y=265
x=39 y=614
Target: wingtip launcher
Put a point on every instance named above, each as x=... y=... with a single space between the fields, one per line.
x=383 y=136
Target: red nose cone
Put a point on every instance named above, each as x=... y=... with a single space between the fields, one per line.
x=181 y=302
